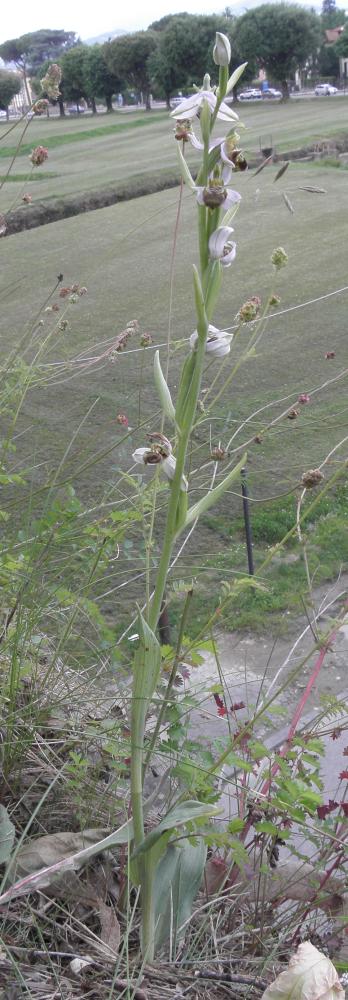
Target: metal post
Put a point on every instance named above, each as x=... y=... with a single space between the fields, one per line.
x=248 y=534
x=164 y=625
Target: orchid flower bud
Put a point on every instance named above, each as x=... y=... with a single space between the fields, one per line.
x=222 y=50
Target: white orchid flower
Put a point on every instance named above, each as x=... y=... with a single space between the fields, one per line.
x=218 y=342
x=221 y=247
x=310 y=976
x=190 y=107
x=153 y=456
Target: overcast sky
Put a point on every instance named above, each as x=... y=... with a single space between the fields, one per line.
x=95 y=19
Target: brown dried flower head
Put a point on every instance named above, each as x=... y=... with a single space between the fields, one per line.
x=292 y=414
x=50 y=82
x=27 y=198
x=38 y=155
x=146 y=340
x=40 y=106
x=312 y=478
x=218 y=453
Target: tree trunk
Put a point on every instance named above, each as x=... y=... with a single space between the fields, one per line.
x=93 y=106
x=168 y=102
x=285 y=90
x=147 y=97
x=108 y=102
x=60 y=103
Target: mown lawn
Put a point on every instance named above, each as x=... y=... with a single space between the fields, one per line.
x=90 y=153
x=122 y=254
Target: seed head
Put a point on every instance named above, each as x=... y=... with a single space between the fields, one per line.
x=329 y=355
x=27 y=198
x=312 y=478
x=249 y=310
x=146 y=340
x=122 y=419
x=63 y=324
x=38 y=155
x=218 y=454
x=50 y=82
x=292 y=414
x=40 y=106
x=274 y=301
x=279 y=258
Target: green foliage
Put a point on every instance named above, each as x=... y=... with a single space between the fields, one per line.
x=10 y=85
x=280 y=38
x=127 y=57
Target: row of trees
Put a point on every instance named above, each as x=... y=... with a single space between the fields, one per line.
x=174 y=53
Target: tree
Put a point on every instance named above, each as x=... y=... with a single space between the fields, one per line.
x=341 y=46
x=279 y=38
x=73 y=79
x=127 y=57
x=30 y=51
x=184 y=51
x=98 y=80
x=331 y=15
x=10 y=85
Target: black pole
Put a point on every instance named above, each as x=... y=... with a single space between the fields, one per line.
x=164 y=625
x=247 y=525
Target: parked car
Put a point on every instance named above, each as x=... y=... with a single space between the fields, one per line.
x=174 y=101
x=250 y=95
x=325 y=90
x=271 y=93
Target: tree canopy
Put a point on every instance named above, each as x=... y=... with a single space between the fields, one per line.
x=128 y=57
x=29 y=52
x=279 y=38
x=10 y=85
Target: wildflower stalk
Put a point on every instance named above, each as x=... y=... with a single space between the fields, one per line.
x=148 y=656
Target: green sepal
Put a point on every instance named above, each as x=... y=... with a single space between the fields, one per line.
x=162 y=389
x=214 y=495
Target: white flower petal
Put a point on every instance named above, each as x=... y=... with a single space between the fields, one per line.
x=231 y=198
x=226 y=113
x=310 y=976
x=169 y=466
x=226 y=172
x=190 y=106
x=195 y=142
x=139 y=455
x=218 y=241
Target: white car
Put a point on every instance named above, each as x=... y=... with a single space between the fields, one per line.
x=271 y=93
x=325 y=90
x=250 y=95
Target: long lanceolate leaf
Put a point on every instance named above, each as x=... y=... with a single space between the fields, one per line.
x=45 y=876
x=177 y=881
x=214 y=495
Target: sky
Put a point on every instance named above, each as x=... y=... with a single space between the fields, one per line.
x=89 y=20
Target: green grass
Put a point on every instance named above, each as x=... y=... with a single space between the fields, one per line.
x=123 y=255
x=89 y=158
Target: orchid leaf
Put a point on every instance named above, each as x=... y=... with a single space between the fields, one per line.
x=162 y=389
x=185 y=173
x=214 y=495
x=177 y=881
x=147 y=663
x=185 y=812
x=7 y=835
x=233 y=80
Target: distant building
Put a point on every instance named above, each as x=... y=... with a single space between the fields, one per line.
x=331 y=36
